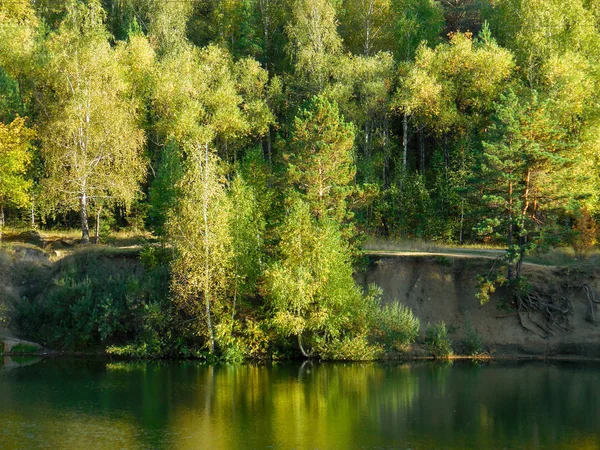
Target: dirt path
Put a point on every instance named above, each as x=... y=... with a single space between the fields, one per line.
x=473 y=254
x=487 y=254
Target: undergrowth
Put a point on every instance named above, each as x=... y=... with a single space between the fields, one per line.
x=437 y=341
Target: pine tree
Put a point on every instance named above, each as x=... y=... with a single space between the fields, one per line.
x=321 y=159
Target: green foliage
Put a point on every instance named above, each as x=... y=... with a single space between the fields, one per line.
x=406 y=207
x=91 y=137
x=320 y=158
x=4 y=319
x=487 y=285
x=96 y=300
x=15 y=158
x=247 y=227
x=11 y=103
x=415 y=21
x=396 y=327
x=437 y=341
x=357 y=348
x=367 y=26
x=163 y=190
x=452 y=86
x=260 y=141
x=310 y=287
x=472 y=343
x=314 y=41
x=198 y=227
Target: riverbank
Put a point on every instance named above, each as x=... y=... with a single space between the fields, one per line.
x=444 y=287
x=437 y=288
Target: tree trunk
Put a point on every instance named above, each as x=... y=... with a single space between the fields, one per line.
x=367 y=139
x=304 y=353
x=422 y=150
x=405 y=141
x=522 y=231
x=446 y=157
x=209 y=325
x=1 y=220
x=462 y=220
x=386 y=156
x=269 y=145
x=32 y=216
x=85 y=230
x=510 y=239
x=97 y=226
x=522 y=243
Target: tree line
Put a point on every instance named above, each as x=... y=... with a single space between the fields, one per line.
x=260 y=139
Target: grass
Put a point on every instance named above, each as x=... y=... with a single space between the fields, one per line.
x=559 y=256
x=565 y=256
x=64 y=242
x=420 y=246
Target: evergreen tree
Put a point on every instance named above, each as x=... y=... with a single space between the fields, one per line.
x=321 y=159
x=525 y=148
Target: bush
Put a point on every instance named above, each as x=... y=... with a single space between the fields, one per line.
x=437 y=341
x=396 y=326
x=97 y=299
x=472 y=343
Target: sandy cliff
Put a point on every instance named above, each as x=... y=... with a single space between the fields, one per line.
x=443 y=288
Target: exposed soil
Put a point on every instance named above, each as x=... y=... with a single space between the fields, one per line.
x=443 y=287
x=437 y=287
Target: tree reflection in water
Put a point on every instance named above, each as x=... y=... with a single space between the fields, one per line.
x=308 y=405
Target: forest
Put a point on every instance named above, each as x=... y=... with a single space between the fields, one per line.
x=259 y=142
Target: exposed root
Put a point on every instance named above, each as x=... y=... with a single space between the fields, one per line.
x=592 y=305
x=550 y=310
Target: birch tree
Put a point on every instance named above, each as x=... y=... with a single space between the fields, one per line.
x=367 y=26
x=91 y=142
x=198 y=227
x=314 y=41
x=313 y=296
x=199 y=106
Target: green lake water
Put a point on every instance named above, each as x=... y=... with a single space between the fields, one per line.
x=87 y=404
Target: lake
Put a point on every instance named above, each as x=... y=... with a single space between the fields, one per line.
x=85 y=404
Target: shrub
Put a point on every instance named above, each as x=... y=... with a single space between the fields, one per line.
x=396 y=326
x=472 y=343
x=437 y=341
x=98 y=299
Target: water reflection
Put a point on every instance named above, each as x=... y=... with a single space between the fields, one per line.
x=14 y=362
x=94 y=404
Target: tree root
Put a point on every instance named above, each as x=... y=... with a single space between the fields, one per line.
x=592 y=302
x=553 y=309
x=550 y=311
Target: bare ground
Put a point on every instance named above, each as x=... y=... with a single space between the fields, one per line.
x=442 y=287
